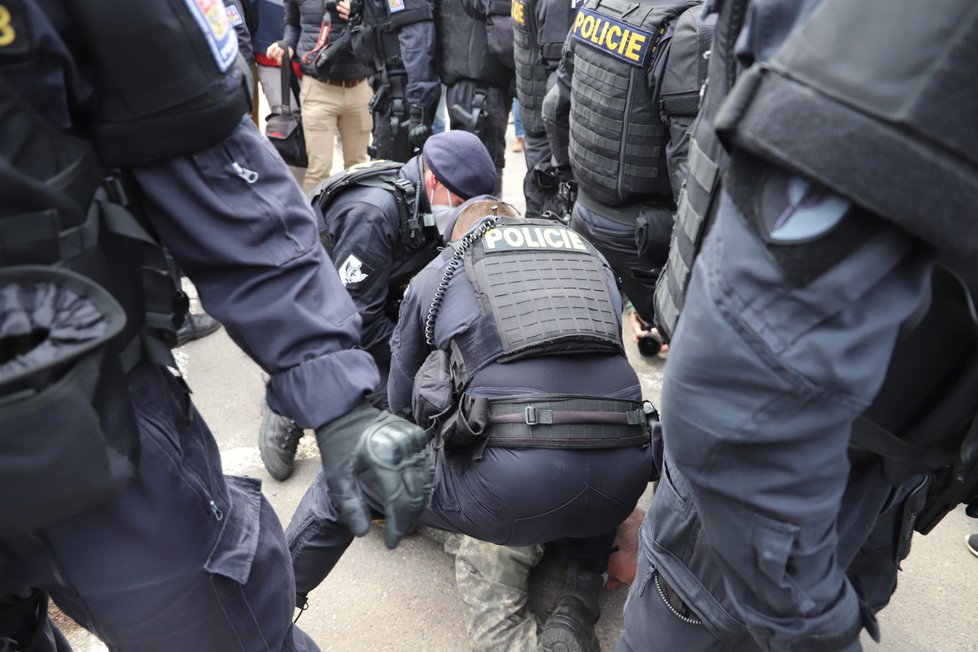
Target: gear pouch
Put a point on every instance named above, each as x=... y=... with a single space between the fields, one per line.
x=55 y=455
x=432 y=396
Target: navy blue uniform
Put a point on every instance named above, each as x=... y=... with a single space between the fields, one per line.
x=216 y=576
x=373 y=262
x=509 y=496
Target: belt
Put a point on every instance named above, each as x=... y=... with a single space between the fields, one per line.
x=345 y=83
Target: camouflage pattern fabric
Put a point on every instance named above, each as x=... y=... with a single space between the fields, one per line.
x=492 y=583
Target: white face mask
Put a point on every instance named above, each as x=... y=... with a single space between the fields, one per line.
x=441 y=212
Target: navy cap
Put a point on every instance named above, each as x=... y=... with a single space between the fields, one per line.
x=461 y=163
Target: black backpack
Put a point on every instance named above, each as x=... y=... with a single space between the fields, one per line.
x=375 y=174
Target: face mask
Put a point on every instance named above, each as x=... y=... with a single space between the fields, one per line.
x=441 y=212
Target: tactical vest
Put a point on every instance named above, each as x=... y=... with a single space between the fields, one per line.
x=559 y=16
x=531 y=72
x=559 y=304
x=892 y=135
x=464 y=46
x=374 y=174
x=707 y=159
x=385 y=19
x=617 y=137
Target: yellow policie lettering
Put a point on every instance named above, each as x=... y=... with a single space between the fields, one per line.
x=517 y=12
x=7 y=33
x=609 y=36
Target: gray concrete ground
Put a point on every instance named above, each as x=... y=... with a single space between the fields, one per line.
x=404 y=600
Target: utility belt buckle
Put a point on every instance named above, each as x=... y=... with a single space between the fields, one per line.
x=530 y=415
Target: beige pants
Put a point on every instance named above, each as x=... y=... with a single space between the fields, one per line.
x=325 y=109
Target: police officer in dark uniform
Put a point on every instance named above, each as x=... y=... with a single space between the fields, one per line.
x=832 y=192
x=397 y=39
x=614 y=137
x=97 y=159
x=380 y=234
x=475 y=45
x=539 y=30
x=544 y=436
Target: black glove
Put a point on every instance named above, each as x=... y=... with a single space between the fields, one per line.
x=385 y=454
x=418 y=131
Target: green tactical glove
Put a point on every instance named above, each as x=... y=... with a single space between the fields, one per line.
x=385 y=455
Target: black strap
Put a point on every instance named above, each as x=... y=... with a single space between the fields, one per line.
x=681 y=104
x=288 y=80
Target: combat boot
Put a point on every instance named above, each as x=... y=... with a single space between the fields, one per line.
x=570 y=627
x=278 y=439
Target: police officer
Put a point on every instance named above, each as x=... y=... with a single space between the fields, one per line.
x=613 y=66
x=381 y=224
x=539 y=30
x=475 y=44
x=773 y=527
x=96 y=161
x=397 y=39
x=521 y=457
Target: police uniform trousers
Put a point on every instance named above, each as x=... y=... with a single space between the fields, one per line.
x=536 y=151
x=510 y=497
x=759 y=517
x=497 y=106
x=184 y=558
x=616 y=242
x=328 y=108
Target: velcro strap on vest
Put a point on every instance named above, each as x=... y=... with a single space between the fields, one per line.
x=500 y=7
x=566 y=422
x=681 y=104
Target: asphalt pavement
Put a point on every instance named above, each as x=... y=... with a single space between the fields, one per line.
x=405 y=600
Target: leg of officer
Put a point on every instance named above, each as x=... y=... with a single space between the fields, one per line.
x=355 y=123
x=536 y=150
x=321 y=104
x=762 y=439
x=208 y=551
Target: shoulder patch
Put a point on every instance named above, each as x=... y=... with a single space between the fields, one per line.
x=621 y=40
x=353 y=272
x=234 y=16
x=212 y=19
x=531 y=236
x=395 y=6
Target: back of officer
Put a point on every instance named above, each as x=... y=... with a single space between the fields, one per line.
x=97 y=162
x=397 y=40
x=609 y=128
x=475 y=49
x=381 y=224
x=819 y=402
x=539 y=30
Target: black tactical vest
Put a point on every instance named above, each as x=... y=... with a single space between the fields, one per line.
x=464 y=47
x=706 y=159
x=531 y=72
x=384 y=21
x=617 y=137
x=543 y=289
x=557 y=18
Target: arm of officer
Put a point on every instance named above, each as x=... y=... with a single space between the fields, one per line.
x=239 y=226
x=556 y=107
x=418 y=43
x=363 y=253
x=408 y=346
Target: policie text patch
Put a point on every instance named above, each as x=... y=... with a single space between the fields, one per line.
x=518 y=12
x=508 y=238
x=618 y=39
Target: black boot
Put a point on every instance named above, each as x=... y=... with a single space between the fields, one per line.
x=196 y=326
x=570 y=627
x=278 y=439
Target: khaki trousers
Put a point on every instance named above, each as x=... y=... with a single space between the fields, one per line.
x=327 y=108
